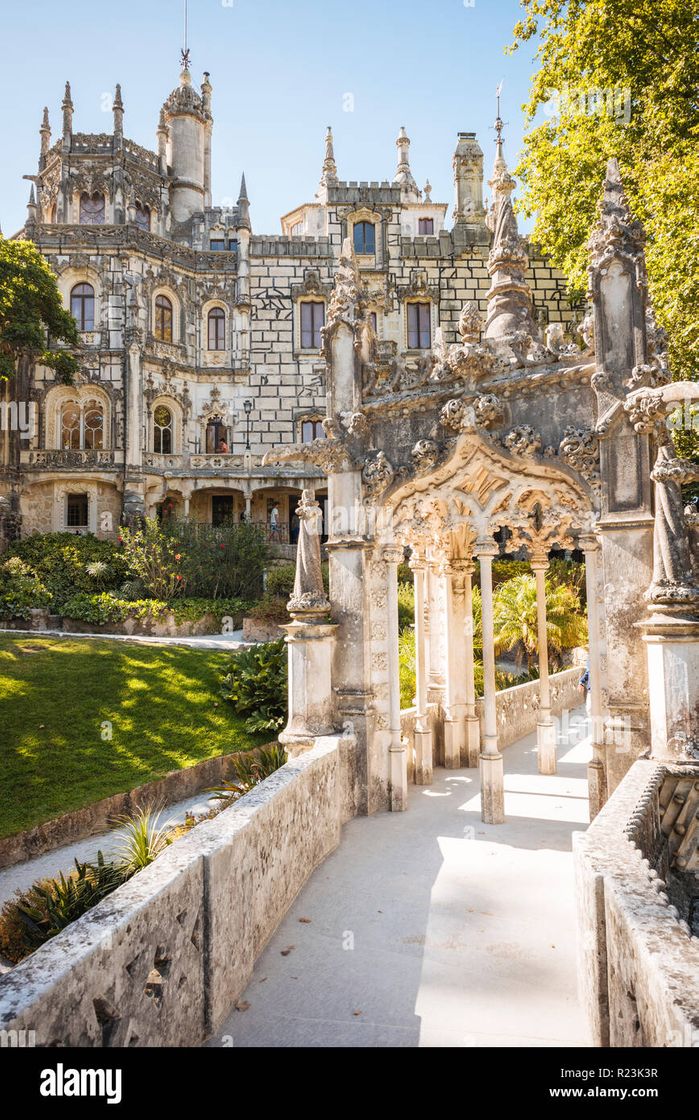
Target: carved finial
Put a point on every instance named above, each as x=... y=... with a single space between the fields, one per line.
x=45 y=133
x=243 y=205
x=329 y=173
x=118 y=110
x=31 y=207
x=427 y=191
x=67 y=107
x=403 y=177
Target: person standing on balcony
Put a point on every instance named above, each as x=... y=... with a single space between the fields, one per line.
x=274 y=520
x=222 y=447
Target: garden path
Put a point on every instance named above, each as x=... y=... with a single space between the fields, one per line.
x=231 y=641
x=430 y=928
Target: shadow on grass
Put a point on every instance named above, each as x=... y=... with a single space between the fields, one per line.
x=83 y=719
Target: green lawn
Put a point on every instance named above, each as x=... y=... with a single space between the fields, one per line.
x=55 y=694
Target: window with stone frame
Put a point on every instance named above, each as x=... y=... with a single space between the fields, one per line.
x=142 y=216
x=163 y=326
x=163 y=430
x=311 y=429
x=233 y=245
x=82 y=426
x=93 y=426
x=312 y=320
x=425 y=226
x=419 y=326
x=216 y=329
x=92 y=209
x=77 y=511
x=82 y=306
x=217 y=244
x=364 y=238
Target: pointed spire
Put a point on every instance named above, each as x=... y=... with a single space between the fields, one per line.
x=243 y=221
x=118 y=110
x=403 y=177
x=67 y=108
x=45 y=134
x=329 y=173
x=616 y=230
x=32 y=212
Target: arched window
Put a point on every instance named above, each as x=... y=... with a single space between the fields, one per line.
x=163 y=319
x=91 y=210
x=162 y=430
x=312 y=429
x=142 y=216
x=70 y=426
x=217 y=329
x=93 y=426
x=82 y=306
x=364 y=237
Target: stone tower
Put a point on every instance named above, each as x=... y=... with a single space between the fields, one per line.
x=188 y=120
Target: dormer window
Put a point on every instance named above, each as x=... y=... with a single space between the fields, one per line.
x=419 y=330
x=364 y=238
x=92 y=210
x=425 y=226
x=297 y=229
x=217 y=244
x=142 y=216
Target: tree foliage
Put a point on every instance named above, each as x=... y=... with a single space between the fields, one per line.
x=32 y=315
x=635 y=62
x=516 y=618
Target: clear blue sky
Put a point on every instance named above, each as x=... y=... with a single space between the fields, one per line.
x=280 y=70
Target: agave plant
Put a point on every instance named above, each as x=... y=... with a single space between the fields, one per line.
x=250 y=768
x=143 y=839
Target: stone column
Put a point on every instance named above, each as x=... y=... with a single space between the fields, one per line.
x=455 y=742
x=423 y=734
x=545 y=729
x=596 y=774
x=397 y=754
x=492 y=775
x=437 y=613
x=309 y=638
x=473 y=724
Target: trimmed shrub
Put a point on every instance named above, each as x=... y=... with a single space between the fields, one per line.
x=280 y=581
x=219 y=561
x=256 y=686
x=20 y=589
x=105 y=607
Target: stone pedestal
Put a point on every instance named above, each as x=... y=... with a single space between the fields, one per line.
x=672 y=641
x=310 y=643
x=492 y=789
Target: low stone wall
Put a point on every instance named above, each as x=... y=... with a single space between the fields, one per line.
x=638 y=966
x=98 y=817
x=516 y=709
x=161 y=961
x=164 y=626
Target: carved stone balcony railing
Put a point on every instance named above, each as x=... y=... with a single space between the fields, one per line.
x=204 y=462
x=69 y=460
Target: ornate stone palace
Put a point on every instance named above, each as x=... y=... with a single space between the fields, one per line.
x=202 y=340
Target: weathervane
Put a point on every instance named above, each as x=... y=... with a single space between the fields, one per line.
x=499 y=122
x=184 y=53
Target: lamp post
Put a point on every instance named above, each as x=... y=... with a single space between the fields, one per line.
x=247 y=405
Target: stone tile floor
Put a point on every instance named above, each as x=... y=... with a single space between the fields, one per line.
x=429 y=928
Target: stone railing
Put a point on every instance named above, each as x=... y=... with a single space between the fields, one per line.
x=638 y=968
x=68 y=460
x=188 y=462
x=516 y=710
x=162 y=960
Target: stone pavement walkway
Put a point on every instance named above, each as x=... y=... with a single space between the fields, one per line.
x=429 y=928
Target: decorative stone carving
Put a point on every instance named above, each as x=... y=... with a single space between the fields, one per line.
x=377 y=474
x=452 y=415
x=489 y=410
x=580 y=450
x=470 y=322
x=345 y=304
x=308 y=597
x=355 y=424
x=425 y=455
x=523 y=440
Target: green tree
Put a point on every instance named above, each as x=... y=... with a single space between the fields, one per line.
x=515 y=621
x=32 y=315
x=618 y=78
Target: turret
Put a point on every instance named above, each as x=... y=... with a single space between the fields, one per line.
x=403 y=177
x=188 y=120
x=243 y=221
x=468 y=180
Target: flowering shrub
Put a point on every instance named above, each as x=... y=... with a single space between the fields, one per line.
x=155 y=558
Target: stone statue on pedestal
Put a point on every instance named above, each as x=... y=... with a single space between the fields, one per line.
x=309 y=596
